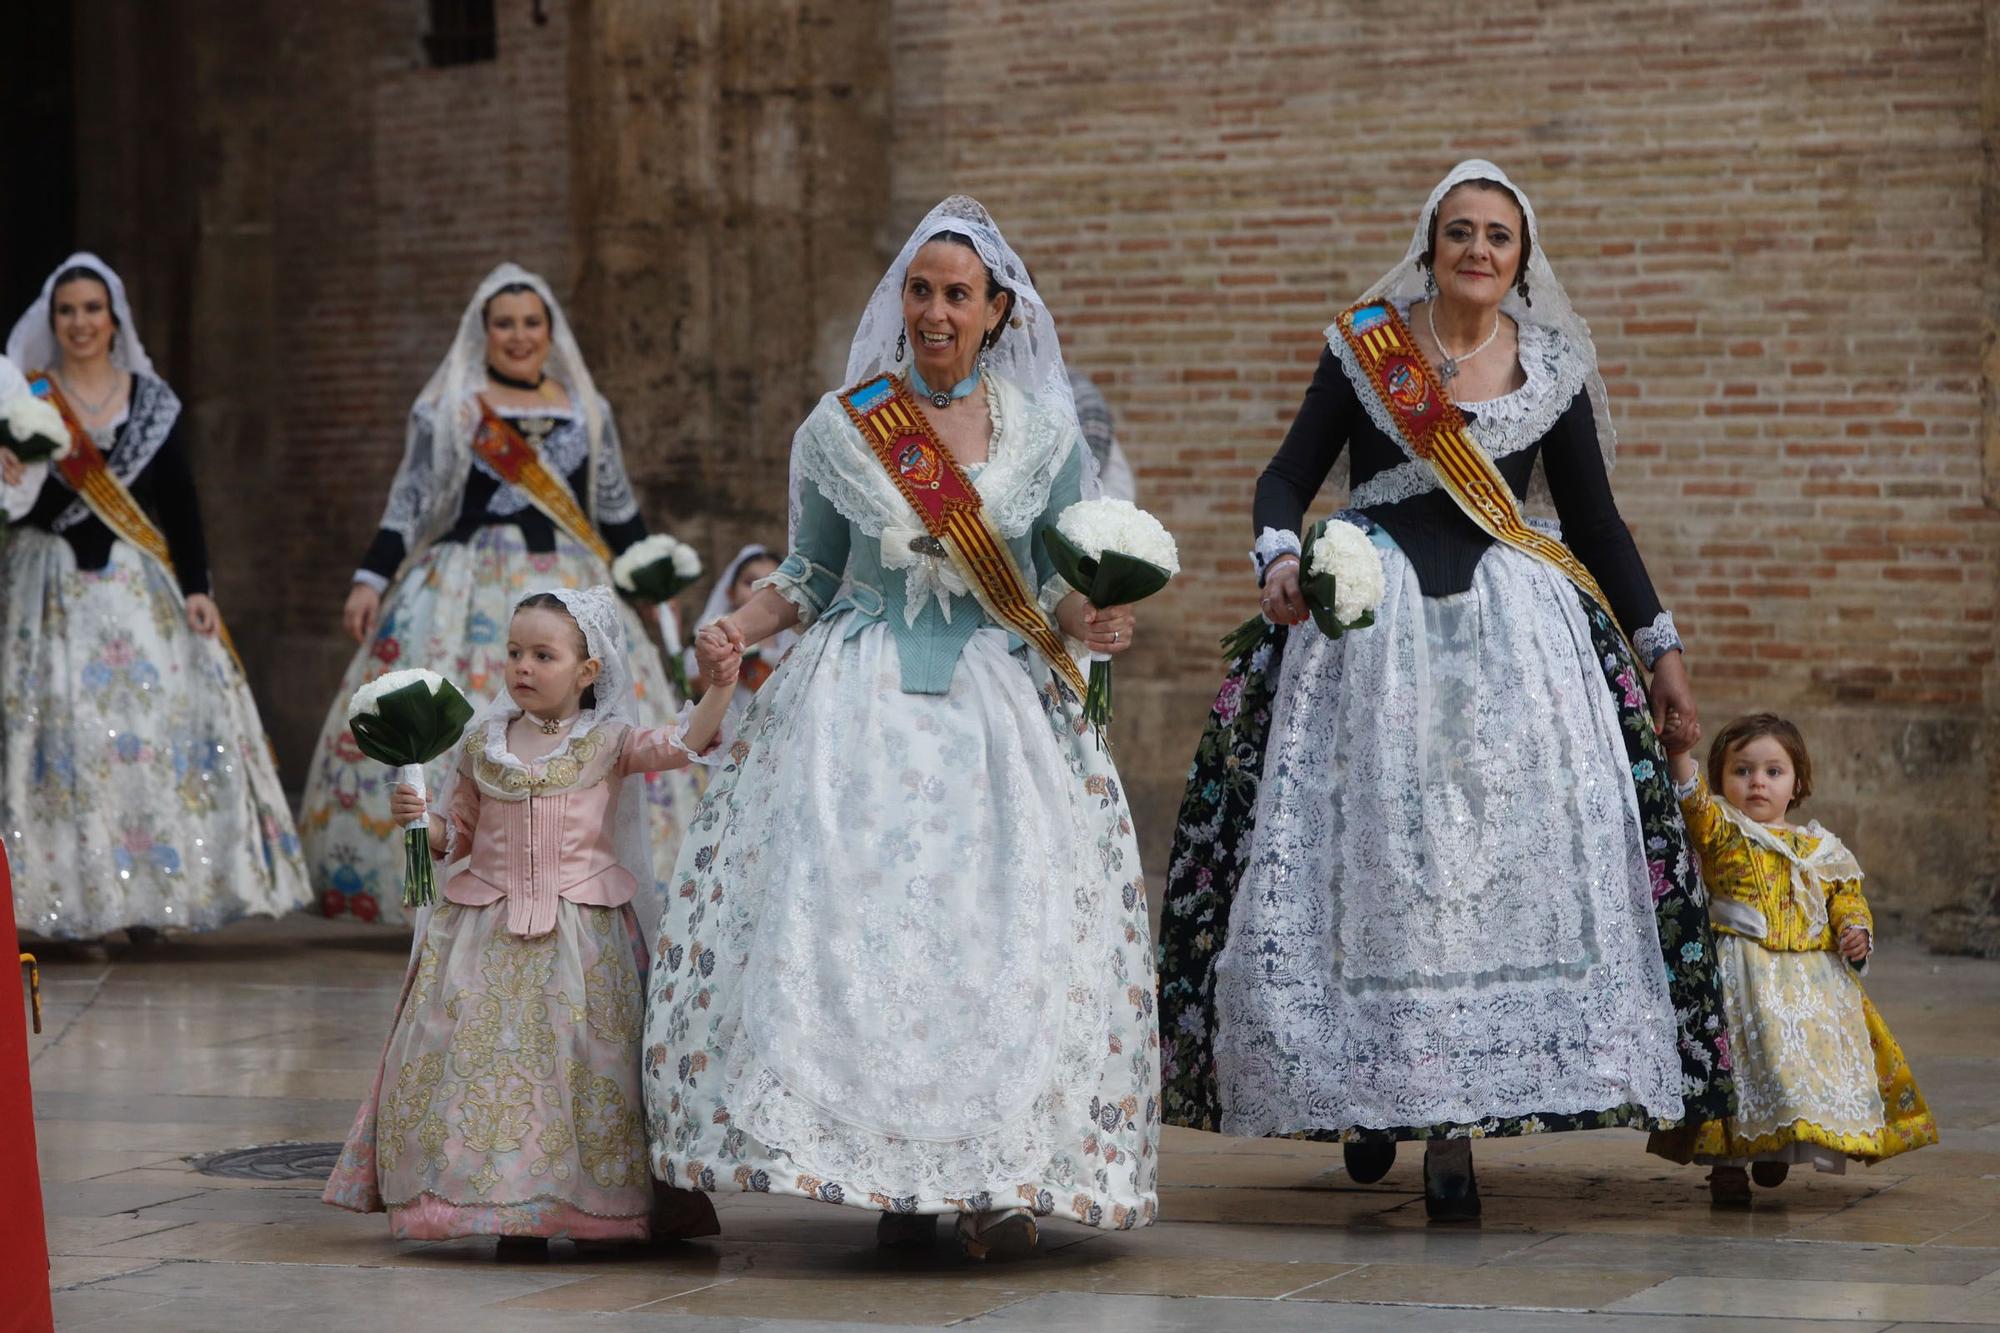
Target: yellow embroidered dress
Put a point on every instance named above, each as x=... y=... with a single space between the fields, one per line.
x=1818 y=1077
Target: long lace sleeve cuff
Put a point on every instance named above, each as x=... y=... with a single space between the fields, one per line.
x=372 y=579
x=1053 y=591
x=803 y=584
x=1656 y=640
x=1271 y=544
x=717 y=752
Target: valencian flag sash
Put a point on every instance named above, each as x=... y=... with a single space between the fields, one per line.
x=86 y=472
x=519 y=464
x=954 y=514
x=1434 y=430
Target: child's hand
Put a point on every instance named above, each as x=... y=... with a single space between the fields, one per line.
x=720 y=659
x=405 y=806
x=1855 y=945
x=1683 y=741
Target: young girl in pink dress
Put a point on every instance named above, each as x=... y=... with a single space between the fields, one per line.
x=508 y=1099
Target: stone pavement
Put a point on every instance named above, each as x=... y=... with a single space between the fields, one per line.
x=268 y=1032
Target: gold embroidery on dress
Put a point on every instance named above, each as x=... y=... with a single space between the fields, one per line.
x=561 y=770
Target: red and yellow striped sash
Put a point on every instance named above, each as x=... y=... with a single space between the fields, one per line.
x=953 y=512
x=1434 y=430
x=519 y=463
x=87 y=472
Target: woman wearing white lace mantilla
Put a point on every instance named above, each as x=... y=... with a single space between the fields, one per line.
x=1435 y=900
x=907 y=967
x=512 y=478
x=137 y=789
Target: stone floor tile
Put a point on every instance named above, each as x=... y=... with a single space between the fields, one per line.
x=1490 y=1286
x=1723 y=1257
x=67 y=1270
x=913 y=1302
x=1785 y=1297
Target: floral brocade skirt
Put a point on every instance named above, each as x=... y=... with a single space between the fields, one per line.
x=1819 y=1079
x=507 y=1102
x=136 y=784
x=906 y=965
x=448 y=613
x=1429 y=880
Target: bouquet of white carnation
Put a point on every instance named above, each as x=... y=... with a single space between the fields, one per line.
x=658 y=569
x=35 y=430
x=406 y=719
x=1341 y=579
x=1114 y=553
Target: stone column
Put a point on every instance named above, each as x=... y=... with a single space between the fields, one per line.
x=730 y=184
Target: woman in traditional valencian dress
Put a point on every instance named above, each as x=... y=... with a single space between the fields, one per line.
x=512 y=478
x=907 y=966
x=1461 y=901
x=137 y=789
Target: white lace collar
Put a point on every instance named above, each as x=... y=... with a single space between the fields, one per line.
x=496 y=740
x=1553 y=372
x=1027 y=450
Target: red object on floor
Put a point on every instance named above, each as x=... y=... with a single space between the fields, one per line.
x=24 y=1245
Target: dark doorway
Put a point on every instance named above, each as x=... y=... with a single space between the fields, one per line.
x=37 y=125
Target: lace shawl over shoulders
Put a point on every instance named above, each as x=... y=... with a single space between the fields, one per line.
x=1555 y=372
x=1030 y=444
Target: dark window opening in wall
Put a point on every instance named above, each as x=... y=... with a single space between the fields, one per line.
x=463 y=32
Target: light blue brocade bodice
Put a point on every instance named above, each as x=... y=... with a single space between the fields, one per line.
x=829 y=549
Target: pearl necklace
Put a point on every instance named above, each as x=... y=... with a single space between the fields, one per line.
x=1449 y=370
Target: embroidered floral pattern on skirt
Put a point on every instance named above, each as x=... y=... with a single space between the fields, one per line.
x=137 y=787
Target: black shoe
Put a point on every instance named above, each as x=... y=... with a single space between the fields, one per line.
x=1452 y=1199
x=522 y=1250
x=1770 y=1174
x=1368 y=1162
x=906 y=1231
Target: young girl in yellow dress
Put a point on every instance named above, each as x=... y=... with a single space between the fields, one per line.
x=1818 y=1077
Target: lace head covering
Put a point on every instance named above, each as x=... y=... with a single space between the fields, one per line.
x=1028 y=354
x=1404 y=284
x=32 y=344
x=446 y=410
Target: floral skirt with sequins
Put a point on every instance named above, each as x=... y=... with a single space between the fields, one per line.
x=507 y=1101
x=1429 y=880
x=449 y=613
x=136 y=784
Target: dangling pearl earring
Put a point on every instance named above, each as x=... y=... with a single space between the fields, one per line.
x=902 y=341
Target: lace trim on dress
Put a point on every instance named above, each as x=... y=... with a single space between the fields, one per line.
x=1656 y=640
x=1272 y=543
x=149 y=419
x=1029 y=447
x=1502 y=426
x=563 y=451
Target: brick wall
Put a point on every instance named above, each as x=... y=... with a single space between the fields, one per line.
x=1771 y=214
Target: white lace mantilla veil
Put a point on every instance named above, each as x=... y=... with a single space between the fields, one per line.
x=437 y=451
x=1028 y=355
x=1551 y=309
x=595 y=611
x=32 y=344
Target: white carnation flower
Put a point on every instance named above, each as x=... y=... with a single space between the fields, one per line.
x=1344 y=551
x=1097 y=526
x=644 y=553
x=29 y=417
x=368 y=699
x=687 y=562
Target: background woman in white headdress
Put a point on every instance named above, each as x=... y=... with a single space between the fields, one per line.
x=458 y=543
x=137 y=789
x=909 y=971
x=731 y=593
x=1461 y=902
x=507 y=1101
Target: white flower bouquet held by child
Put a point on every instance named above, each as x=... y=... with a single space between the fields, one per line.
x=1114 y=553
x=1342 y=581
x=406 y=719
x=35 y=430
x=658 y=569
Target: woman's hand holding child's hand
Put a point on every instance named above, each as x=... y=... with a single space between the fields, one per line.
x=720 y=657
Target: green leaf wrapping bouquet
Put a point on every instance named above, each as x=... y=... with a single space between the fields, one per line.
x=1114 y=553
x=1340 y=573
x=406 y=719
x=658 y=569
